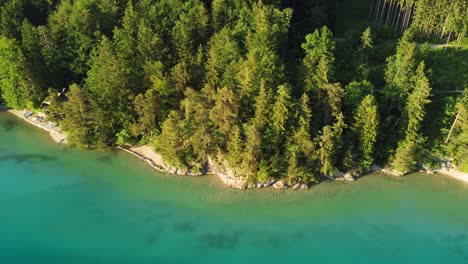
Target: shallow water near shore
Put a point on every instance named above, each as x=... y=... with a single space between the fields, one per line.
x=61 y=205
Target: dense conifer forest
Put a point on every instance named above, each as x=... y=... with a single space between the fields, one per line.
x=282 y=89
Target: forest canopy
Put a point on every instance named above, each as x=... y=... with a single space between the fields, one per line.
x=264 y=87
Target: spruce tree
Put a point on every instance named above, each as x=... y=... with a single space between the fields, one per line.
x=170 y=143
x=224 y=112
x=235 y=148
x=107 y=84
x=400 y=69
x=252 y=152
x=319 y=59
x=365 y=127
x=409 y=150
x=79 y=118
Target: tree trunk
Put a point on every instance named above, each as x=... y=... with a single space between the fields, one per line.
x=407 y=17
x=394 y=14
x=397 y=20
x=403 y=22
x=376 y=13
x=449 y=37
x=453 y=125
x=408 y=22
x=382 y=13
x=445 y=26
x=389 y=13
x=371 y=9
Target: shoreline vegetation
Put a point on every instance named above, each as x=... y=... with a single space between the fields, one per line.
x=260 y=92
x=156 y=161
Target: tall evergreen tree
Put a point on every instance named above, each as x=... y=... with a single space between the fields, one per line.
x=400 y=69
x=170 y=143
x=79 y=118
x=224 y=112
x=406 y=155
x=319 y=59
x=107 y=84
x=365 y=127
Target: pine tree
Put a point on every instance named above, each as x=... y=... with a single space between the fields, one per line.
x=126 y=48
x=197 y=125
x=190 y=31
x=252 y=151
x=281 y=111
x=11 y=18
x=362 y=55
x=223 y=49
x=107 y=84
x=224 y=112
x=354 y=93
x=262 y=107
x=400 y=69
x=329 y=142
x=55 y=109
x=147 y=108
x=235 y=148
x=319 y=59
x=406 y=155
x=170 y=143
x=302 y=137
x=13 y=81
x=365 y=127
x=79 y=119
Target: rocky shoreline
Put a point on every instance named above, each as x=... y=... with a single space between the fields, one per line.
x=229 y=178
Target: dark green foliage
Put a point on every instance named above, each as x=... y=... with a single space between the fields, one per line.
x=354 y=93
x=55 y=109
x=457 y=144
x=224 y=113
x=19 y=89
x=410 y=148
x=365 y=127
x=255 y=85
x=170 y=144
x=197 y=126
x=79 y=120
x=107 y=84
x=148 y=110
x=400 y=69
x=319 y=59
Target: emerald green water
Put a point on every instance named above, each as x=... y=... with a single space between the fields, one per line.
x=60 y=205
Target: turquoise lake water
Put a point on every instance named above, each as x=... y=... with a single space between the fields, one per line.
x=60 y=205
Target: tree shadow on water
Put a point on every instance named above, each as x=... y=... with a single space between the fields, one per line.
x=9 y=125
x=184 y=227
x=154 y=235
x=21 y=158
x=221 y=239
